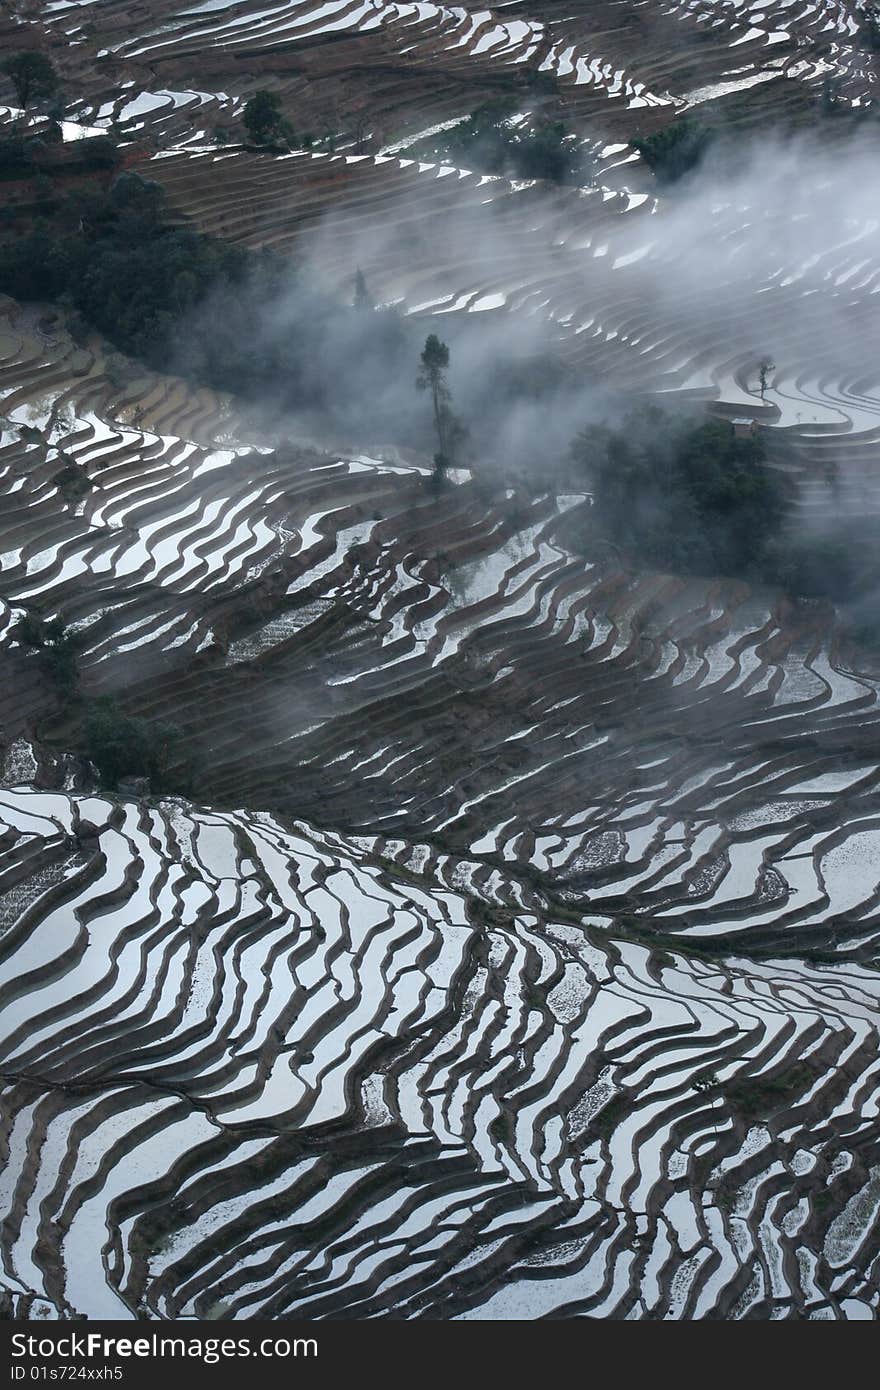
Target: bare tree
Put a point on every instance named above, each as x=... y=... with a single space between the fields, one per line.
x=360 y=129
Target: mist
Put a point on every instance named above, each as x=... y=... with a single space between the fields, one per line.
x=768 y=252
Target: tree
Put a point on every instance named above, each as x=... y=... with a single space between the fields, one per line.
x=765 y=367
x=432 y=377
x=264 y=120
x=360 y=131
x=831 y=102
x=33 y=76
x=870 y=14
x=362 y=296
x=708 y=1085
x=330 y=127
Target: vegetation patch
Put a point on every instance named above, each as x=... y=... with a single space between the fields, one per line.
x=178 y=299
x=57 y=650
x=495 y=140
x=675 y=150
x=685 y=496
x=756 y=1098
x=122 y=746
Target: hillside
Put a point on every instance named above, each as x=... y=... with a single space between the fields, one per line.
x=414 y=902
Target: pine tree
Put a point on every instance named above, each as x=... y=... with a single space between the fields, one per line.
x=432 y=377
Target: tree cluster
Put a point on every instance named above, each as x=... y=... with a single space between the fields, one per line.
x=491 y=141
x=266 y=125
x=683 y=496
x=122 y=746
x=209 y=310
x=696 y=498
x=32 y=155
x=57 y=649
x=265 y=122
x=676 y=149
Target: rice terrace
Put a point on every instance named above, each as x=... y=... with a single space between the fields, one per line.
x=440 y=660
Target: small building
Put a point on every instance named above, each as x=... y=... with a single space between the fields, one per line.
x=743 y=426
